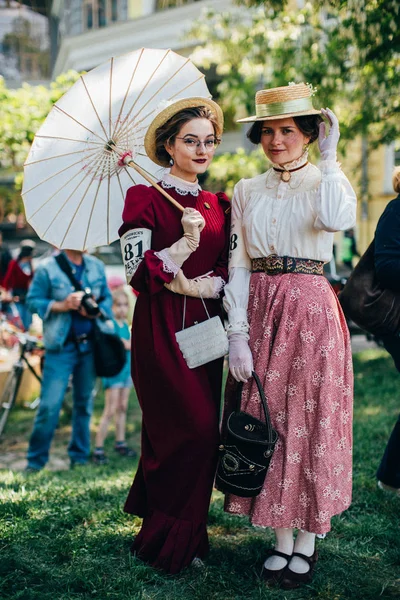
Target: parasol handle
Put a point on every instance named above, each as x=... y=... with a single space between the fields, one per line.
x=154 y=184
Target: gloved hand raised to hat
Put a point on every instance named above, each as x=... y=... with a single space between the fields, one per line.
x=192 y=223
x=328 y=143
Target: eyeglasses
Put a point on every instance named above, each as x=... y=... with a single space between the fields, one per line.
x=192 y=144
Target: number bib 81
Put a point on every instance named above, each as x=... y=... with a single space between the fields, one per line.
x=134 y=244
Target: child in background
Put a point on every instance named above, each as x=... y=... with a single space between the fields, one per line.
x=117 y=388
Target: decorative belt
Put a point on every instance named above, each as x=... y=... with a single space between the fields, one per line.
x=275 y=265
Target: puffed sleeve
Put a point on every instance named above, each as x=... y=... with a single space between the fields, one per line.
x=237 y=290
x=147 y=272
x=336 y=200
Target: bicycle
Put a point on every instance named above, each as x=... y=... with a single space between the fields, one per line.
x=27 y=343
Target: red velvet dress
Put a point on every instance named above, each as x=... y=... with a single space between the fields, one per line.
x=180 y=406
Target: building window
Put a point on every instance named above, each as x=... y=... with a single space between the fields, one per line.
x=100 y=13
x=114 y=10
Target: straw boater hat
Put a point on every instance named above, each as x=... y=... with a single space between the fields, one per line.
x=168 y=110
x=293 y=100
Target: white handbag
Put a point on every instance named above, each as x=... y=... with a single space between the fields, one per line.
x=202 y=342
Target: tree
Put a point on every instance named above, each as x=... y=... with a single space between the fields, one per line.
x=349 y=49
x=23 y=111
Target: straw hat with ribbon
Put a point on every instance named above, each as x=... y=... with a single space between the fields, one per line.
x=293 y=100
x=167 y=110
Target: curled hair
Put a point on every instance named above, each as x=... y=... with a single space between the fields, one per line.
x=167 y=133
x=396 y=180
x=308 y=125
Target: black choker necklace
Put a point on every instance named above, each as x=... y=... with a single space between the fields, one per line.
x=286 y=173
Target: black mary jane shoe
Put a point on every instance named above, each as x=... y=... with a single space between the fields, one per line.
x=273 y=576
x=292 y=580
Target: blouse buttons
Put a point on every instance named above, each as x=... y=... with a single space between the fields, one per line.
x=273 y=221
x=272 y=248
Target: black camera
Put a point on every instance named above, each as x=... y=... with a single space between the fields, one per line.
x=89 y=303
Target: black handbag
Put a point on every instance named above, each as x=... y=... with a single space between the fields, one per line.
x=108 y=349
x=108 y=352
x=247 y=449
x=366 y=302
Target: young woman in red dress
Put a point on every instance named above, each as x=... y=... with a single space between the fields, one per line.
x=167 y=257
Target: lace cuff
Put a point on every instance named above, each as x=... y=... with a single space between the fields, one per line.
x=240 y=327
x=237 y=321
x=329 y=169
x=169 y=266
x=219 y=285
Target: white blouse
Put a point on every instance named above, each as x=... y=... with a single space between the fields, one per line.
x=295 y=218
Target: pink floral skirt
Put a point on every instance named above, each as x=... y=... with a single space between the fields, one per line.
x=302 y=354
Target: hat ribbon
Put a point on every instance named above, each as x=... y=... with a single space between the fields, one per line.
x=280 y=108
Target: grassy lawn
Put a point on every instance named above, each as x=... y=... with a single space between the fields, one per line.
x=63 y=534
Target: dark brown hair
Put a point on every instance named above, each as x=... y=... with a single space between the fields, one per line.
x=167 y=133
x=308 y=125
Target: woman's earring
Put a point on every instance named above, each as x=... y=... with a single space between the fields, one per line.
x=171 y=161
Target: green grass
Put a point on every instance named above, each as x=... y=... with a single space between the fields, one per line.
x=63 y=534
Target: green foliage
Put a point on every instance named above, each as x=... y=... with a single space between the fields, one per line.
x=349 y=50
x=10 y=201
x=226 y=169
x=64 y=535
x=23 y=111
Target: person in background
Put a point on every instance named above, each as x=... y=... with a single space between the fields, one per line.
x=117 y=388
x=387 y=267
x=286 y=324
x=5 y=259
x=18 y=279
x=349 y=248
x=67 y=337
x=115 y=282
x=173 y=260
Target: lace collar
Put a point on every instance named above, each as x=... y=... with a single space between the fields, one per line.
x=180 y=185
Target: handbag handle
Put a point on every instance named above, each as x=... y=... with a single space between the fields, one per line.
x=264 y=404
x=184 y=310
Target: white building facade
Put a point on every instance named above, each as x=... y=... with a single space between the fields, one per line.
x=89 y=32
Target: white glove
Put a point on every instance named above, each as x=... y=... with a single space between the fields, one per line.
x=196 y=288
x=328 y=145
x=192 y=223
x=240 y=357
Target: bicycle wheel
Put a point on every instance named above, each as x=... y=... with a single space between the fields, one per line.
x=9 y=395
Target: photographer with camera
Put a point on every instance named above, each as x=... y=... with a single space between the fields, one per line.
x=68 y=327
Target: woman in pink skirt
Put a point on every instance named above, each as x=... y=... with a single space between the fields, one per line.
x=285 y=323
